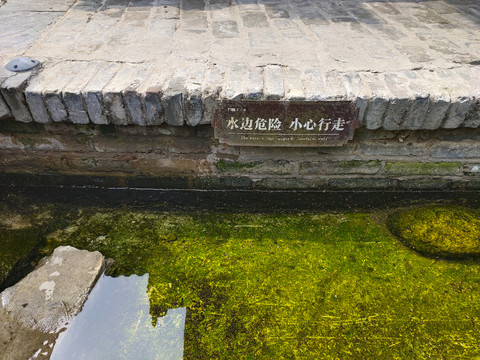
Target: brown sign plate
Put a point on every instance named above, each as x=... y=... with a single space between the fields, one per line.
x=285 y=123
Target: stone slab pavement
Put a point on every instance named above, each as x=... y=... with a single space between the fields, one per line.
x=408 y=64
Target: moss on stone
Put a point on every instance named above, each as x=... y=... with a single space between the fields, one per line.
x=226 y=165
x=439 y=231
x=21 y=233
x=306 y=286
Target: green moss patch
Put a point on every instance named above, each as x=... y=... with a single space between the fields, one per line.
x=439 y=231
x=304 y=286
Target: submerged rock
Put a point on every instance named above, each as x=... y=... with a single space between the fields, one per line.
x=34 y=310
x=438 y=231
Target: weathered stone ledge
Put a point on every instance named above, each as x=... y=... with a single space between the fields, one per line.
x=100 y=92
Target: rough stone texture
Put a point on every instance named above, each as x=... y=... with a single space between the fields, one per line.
x=4 y=109
x=59 y=76
x=13 y=92
x=187 y=157
x=92 y=93
x=72 y=93
x=407 y=65
x=173 y=100
x=35 y=309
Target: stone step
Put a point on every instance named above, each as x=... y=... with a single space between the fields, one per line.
x=405 y=64
x=101 y=92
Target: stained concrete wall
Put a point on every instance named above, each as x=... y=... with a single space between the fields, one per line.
x=190 y=158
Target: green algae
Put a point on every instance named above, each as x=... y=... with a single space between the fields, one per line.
x=15 y=246
x=439 y=231
x=304 y=286
x=20 y=238
x=226 y=165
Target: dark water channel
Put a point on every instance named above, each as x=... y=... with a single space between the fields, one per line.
x=242 y=275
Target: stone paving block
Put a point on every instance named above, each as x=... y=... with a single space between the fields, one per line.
x=254 y=19
x=334 y=86
x=471 y=77
x=27 y=28
x=459 y=96
x=89 y=5
x=472 y=119
x=117 y=111
x=151 y=91
x=34 y=98
x=400 y=102
x=235 y=82
x=439 y=101
x=289 y=28
x=293 y=84
x=384 y=7
x=172 y=100
x=361 y=12
x=38 y=6
x=310 y=15
x=193 y=97
x=358 y=91
x=116 y=4
x=457 y=113
x=153 y=106
x=274 y=85
x=441 y=7
x=324 y=86
x=13 y=92
x=61 y=75
x=377 y=105
x=194 y=21
x=332 y=8
x=167 y=10
x=72 y=93
x=132 y=97
x=420 y=103
x=211 y=92
x=255 y=83
x=92 y=93
x=277 y=10
x=4 y=110
x=225 y=29
x=313 y=83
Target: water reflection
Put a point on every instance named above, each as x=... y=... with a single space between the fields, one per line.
x=115 y=323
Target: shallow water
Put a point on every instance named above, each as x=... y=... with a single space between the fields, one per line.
x=306 y=285
x=115 y=323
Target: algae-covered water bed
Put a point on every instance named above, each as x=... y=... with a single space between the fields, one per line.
x=287 y=286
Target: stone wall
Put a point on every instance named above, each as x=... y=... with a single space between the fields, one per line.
x=190 y=158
